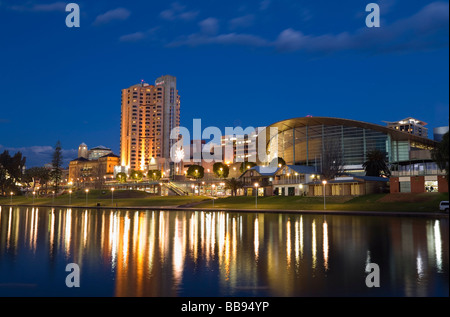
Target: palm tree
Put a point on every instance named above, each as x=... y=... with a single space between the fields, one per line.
x=375 y=165
x=234 y=185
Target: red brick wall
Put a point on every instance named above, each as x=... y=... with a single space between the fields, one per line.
x=394 y=185
x=442 y=184
x=417 y=184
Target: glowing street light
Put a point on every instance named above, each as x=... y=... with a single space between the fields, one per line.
x=70 y=197
x=10 y=201
x=87 y=191
x=34 y=194
x=112 y=196
x=324 y=184
x=212 y=193
x=256 y=196
x=53 y=197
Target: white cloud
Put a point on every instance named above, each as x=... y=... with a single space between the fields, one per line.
x=138 y=36
x=209 y=26
x=178 y=12
x=111 y=15
x=224 y=39
x=133 y=37
x=427 y=29
x=49 y=7
x=242 y=22
x=39 y=155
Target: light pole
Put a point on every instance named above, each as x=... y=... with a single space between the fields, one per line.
x=70 y=197
x=212 y=193
x=256 y=196
x=34 y=194
x=10 y=200
x=87 y=191
x=53 y=197
x=324 y=186
x=112 y=196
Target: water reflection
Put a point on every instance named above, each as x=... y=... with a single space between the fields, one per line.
x=158 y=253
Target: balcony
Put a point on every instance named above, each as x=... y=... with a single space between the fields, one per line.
x=428 y=172
x=287 y=180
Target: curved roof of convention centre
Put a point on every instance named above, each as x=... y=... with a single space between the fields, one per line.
x=289 y=124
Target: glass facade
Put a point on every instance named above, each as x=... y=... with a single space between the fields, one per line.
x=307 y=145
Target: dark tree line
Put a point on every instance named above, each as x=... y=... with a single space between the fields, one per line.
x=11 y=172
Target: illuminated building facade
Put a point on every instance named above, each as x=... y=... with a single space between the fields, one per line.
x=149 y=113
x=92 y=173
x=409 y=125
x=306 y=141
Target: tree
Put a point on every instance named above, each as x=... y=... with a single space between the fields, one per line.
x=57 y=162
x=221 y=170
x=246 y=165
x=154 y=175
x=332 y=158
x=280 y=161
x=440 y=155
x=11 y=171
x=136 y=175
x=35 y=174
x=234 y=185
x=121 y=177
x=196 y=171
x=375 y=165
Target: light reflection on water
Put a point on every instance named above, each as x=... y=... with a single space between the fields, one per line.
x=183 y=253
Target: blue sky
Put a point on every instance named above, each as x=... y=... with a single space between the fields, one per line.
x=238 y=63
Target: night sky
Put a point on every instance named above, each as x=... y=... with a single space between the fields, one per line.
x=238 y=63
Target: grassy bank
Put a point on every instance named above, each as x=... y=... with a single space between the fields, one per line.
x=426 y=202
x=126 y=198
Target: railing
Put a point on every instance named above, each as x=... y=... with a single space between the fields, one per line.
x=176 y=189
x=417 y=173
x=289 y=180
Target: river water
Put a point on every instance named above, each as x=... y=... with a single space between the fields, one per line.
x=155 y=253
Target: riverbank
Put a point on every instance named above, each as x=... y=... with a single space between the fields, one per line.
x=426 y=204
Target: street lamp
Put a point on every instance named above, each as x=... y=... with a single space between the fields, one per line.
x=256 y=196
x=34 y=194
x=212 y=193
x=10 y=201
x=324 y=184
x=70 y=197
x=53 y=197
x=87 y=191
x=112 y=196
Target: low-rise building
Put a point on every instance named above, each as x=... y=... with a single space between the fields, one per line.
x=84 y=173
x=290 y=180
x=349 y=185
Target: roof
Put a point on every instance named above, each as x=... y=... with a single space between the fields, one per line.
x=289 y=124
x=265 y=171
x=301 y=169
x=110 y=155
x=351 y=179
x=101 y=147
x=80 y=159
x=406 y=120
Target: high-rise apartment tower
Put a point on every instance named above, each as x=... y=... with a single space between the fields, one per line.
x=149 y=113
